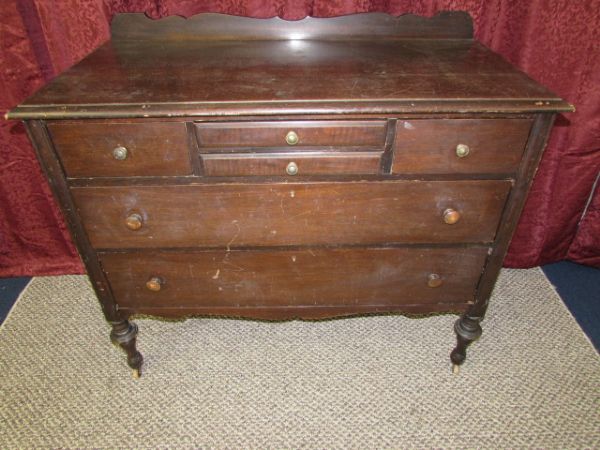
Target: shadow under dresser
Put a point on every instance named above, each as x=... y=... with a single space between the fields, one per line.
x=259 y=168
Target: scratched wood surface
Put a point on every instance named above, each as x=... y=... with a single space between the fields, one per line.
x=429 y=145
x=197 y=76
x=311 y=133
x=307 y=163
x=201 y=203
x=273 y=214
x=293 y=278
x=209 y=26
x=280 y=71
x=153 y=148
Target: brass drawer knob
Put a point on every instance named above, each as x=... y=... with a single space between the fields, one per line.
x=291 y=168
x=434 y=280
x=134 y=222
x=291 y=138
x=451 y=216
x=120 y=153
x=154 y=284
x=462 y=150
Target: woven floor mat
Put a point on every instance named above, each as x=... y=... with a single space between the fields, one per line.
x=532 y=380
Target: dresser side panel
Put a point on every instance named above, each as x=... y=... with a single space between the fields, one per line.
x=56 y=178
x=514 y=206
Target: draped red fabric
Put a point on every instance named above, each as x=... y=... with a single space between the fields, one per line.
x=554 y=41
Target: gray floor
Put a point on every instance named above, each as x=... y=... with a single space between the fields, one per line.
x=533 y=380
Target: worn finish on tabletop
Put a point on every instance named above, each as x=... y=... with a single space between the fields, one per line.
x=222 y=165
x=444 y=25
x=277 y=74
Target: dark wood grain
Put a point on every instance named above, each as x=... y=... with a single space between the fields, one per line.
x=56 y=178
x=444 y=25
x=231 y=215
x=468 y=328
x=124 y=334
x=184 y=181
x=153 y=148
x=200 y=218
x=308 y=163
x=313 y=133
x=303 y=277
x=388 y=152
x=510 y=217
x=206 y=78
x=429 y=145
x=372 y=108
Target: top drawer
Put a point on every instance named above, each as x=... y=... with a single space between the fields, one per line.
x=111 y=149
x=459 y=145
x=293 y=134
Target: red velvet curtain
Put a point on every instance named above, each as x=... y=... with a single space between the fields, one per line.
x=555 y=41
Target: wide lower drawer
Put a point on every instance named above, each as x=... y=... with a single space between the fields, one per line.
x=114 y=149
x=300 y=133
x=304 y=277
x=277 y=214
x=459 y=145
x=291 y=164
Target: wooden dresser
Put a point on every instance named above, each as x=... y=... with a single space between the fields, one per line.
x=228 y=166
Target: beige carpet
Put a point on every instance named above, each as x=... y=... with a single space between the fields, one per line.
x=532 y=381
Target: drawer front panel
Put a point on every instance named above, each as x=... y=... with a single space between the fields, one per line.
x=307 y=277
x=371 y=133
x=291 y=164
x=236 y=215
x=143 y=149
x=486 y=145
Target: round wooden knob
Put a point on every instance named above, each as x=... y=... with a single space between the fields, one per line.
x=134 y=222
x=462 y=150
x=154 y=284
x=434 y=280
x=291 y=168
x=451 y=216
x=291 y=138
x=120 y=153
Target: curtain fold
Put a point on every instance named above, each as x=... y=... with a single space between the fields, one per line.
x=554 y=41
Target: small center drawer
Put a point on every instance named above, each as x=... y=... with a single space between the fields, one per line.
x=291 y=134
x=115 y=149
x=290 y=164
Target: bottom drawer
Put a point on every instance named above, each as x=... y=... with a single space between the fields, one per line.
x=294 y=278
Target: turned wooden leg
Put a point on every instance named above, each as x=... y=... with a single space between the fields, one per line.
x=123 y=334
x=467 y=330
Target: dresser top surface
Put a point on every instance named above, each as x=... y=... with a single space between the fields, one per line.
x=141 y=73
